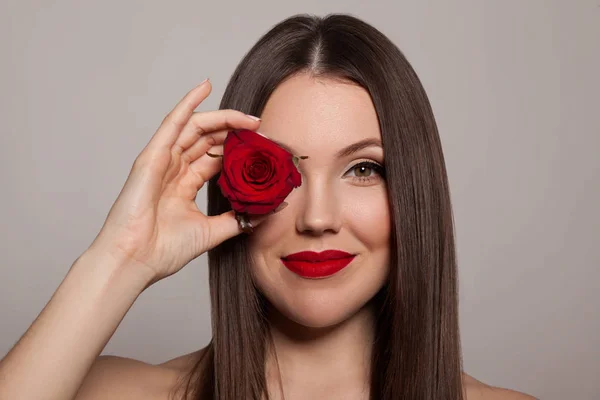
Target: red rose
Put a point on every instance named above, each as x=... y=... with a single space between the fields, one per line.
x=257 y=173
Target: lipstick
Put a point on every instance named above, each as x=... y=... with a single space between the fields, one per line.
x=309 y=264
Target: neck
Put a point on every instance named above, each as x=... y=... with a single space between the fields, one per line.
x=329 y=358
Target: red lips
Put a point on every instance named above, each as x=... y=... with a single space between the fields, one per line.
x=309 y=264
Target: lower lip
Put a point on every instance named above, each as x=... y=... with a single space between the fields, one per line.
x=320 y=269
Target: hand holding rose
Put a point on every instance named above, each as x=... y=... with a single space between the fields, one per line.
x=155 y=226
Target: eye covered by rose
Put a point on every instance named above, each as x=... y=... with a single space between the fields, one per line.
x=257 y=173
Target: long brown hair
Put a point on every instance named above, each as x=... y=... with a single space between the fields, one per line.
x=417 y=353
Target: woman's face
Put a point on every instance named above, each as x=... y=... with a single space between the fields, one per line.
x=339 y=206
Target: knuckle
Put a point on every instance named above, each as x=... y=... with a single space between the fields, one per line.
x=140 y=160
x=174 y=123
x=177 y=149
x=153 y=161
x=227 y=118
x=230 y=114
x=171 y=120
x=140 y=163
x=197 y=127
x=144 y=161
x=167 y=118
x=185 y=157
x=212 y=141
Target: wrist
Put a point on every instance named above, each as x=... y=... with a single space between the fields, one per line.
x=117 y=265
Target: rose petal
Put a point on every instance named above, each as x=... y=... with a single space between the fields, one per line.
x=258 y=141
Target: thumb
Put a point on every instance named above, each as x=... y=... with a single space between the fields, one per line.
x=226 y=226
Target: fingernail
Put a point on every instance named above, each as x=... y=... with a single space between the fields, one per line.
x=252 y=117
x=203 y=82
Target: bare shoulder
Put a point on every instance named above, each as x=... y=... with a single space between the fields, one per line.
x=113 y=377
x=116 y=378
x=477 y=390
x=184 y=363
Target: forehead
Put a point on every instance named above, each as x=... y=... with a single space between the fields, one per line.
x=304 y=111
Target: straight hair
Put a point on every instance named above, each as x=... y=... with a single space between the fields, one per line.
x=416 y=353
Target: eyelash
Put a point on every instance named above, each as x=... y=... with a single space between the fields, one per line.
x=377 y=168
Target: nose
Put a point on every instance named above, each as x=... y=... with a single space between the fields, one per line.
x=320 y=209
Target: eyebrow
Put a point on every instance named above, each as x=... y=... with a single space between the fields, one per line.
x=348 y=150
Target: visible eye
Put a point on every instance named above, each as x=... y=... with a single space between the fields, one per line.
x=366 y=172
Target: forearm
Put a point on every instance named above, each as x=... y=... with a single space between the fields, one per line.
x=53 y=357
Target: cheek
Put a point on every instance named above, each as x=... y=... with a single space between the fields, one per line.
x=270 y=233
x=368 y=217
x=265 y=246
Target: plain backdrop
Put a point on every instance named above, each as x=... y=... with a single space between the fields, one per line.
x=515 y=89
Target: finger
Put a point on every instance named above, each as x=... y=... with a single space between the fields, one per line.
x=203 y=144
x=174 y=122
x=202 y=123
x=225 y=226
x=205 y=167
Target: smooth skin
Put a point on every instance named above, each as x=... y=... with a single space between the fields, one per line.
x=152 y=231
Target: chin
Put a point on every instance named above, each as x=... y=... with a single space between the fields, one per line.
x=318 y=316
x=320 y=307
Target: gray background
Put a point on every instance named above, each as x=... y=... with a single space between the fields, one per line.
x=514 y=85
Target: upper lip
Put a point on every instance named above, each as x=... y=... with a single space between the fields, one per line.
x=317 y=257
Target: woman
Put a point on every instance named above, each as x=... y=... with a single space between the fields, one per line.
x=374 y=188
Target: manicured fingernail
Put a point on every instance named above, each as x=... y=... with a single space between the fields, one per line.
x=252 y=117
